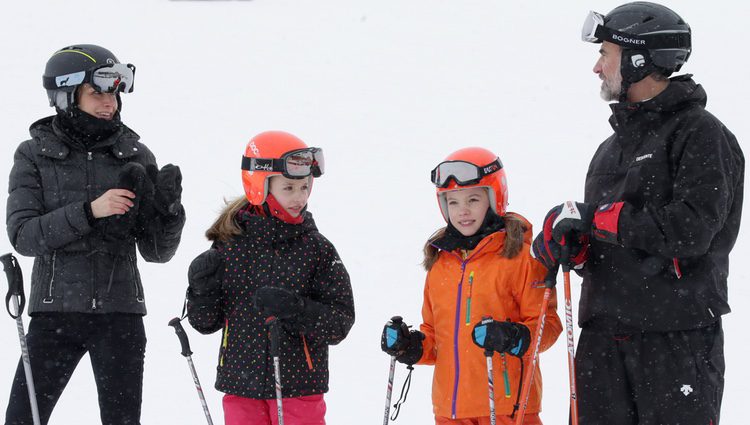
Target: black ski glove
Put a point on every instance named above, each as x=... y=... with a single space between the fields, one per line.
x=204 y=273
x=278 y=302
x=503 y=337
x=168 y=188
x=132 y=177
x=397 y=340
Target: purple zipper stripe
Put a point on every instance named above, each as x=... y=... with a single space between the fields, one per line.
x=457 y=322
x=455 y=341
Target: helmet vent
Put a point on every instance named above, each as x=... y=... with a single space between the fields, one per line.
x=648 y=18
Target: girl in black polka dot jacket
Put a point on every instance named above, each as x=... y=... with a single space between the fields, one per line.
x=268 y=259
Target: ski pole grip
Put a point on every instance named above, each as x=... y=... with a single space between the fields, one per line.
x=15 y=284
x=565 y=253
x=175 y=323
x=550 y=281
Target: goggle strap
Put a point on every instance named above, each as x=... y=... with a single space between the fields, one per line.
x=664 y=40
x=262 y=164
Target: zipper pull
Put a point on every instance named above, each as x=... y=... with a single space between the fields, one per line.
x=468 y=299
x=93 y=303
x=505 y=376
x=90 y=157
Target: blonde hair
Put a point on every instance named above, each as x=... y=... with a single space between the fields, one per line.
x=226 y=227
x=514 y=231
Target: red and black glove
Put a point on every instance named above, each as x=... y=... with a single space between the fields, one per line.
x=548 y=250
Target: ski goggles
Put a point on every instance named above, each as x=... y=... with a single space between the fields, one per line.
x=294 y=164
x=594 y=31
x=109 y=78
x=462 y=172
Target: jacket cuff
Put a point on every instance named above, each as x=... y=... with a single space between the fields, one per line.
x=606 y=220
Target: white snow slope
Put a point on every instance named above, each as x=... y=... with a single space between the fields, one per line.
x=387 y=88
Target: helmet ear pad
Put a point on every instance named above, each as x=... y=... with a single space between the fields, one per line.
x=636 y=65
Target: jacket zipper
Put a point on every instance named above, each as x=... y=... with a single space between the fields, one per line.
x=677 y=271
x=89 y=158
x=49 y=299
x=135 y=279
x=464 y=262
x=224 y=343
x=505 y=376
x=455 y=341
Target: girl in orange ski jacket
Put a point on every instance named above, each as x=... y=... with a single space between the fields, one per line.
x=479 y=267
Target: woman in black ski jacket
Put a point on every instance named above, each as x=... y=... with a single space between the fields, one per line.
x=80 y=201
x=268 y=260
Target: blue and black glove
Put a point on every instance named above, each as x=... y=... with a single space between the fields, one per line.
x=503 y=337
x=399 y=341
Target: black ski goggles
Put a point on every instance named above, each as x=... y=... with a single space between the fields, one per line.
x=594 y=31
x=109 y=78
x=462 y=172
x=294 y=164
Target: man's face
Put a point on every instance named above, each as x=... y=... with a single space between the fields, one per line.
x=608 y=68
x=96 y=104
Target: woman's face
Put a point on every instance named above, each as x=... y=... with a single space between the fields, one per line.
x=292 y=194
x=467 y=209
x=96 y=104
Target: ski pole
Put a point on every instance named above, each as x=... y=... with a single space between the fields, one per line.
x=175 y=323
x=569 y=333
x=549 y=283
x=15 y=292
x=394 y=326
x=490 y=380
x=273 y=332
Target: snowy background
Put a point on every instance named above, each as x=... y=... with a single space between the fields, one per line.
x=388 y=88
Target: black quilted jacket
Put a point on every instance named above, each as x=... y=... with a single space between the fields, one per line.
x=81 y=267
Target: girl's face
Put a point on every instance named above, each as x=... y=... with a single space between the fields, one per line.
x=96 y=104
x=467 y=208
x=292 y=194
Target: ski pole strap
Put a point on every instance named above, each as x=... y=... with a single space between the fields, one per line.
x=15 y=284
x=184 y=307
x=518 y=395
x=175 y=323
x=404 y=393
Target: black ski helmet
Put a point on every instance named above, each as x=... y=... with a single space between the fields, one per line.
x=653 y=38
x=72 y=66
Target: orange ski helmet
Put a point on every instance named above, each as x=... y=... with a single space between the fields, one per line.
x=277 y=153
x=472 y=167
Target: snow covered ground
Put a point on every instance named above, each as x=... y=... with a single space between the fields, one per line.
x=387 y=88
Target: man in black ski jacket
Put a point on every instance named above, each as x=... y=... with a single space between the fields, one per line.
x=663 y=201
x=84 y=192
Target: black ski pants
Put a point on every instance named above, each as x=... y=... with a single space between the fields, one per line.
x=116 y=344
x=650 y=378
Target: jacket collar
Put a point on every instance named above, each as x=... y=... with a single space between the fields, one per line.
x=54 y=143
x=492 y=243
x=271 y=230
x=682 y=92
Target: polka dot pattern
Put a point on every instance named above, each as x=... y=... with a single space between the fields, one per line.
x=297 y=258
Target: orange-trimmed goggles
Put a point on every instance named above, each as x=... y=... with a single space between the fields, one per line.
x=462 y=172
x=294 y=164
